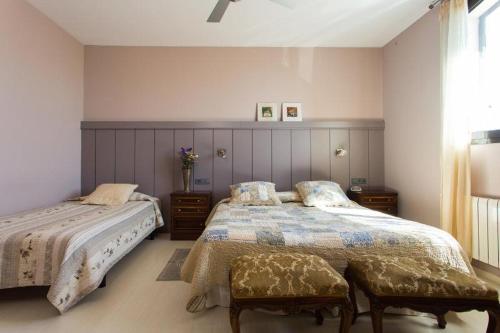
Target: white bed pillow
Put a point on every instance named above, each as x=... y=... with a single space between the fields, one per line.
x=289 y=196
x=110 y=194
x=254 y=194
x=322 y=193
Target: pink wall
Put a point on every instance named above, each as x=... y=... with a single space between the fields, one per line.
x=41 y=105
x=486 y=170
x=161 y=83
x=412 y=114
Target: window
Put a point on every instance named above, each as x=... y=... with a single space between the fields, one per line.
x=485 y=36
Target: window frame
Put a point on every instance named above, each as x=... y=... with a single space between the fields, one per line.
x=482 y=25
x=490 y=136
x=472 y=4
x=485 y=137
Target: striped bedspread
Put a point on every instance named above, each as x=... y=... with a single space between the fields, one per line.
x=71 y=246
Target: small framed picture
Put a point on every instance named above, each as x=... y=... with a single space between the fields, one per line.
x=267 y=112
x=292 y=111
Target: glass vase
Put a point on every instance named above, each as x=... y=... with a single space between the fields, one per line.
x=186 y=177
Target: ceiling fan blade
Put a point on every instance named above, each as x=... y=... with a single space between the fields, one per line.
x=218 y=12
x=286 y=3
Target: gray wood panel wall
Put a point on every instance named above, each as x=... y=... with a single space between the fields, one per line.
x=284 y=153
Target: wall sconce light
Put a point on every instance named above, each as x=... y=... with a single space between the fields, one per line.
x=222 y=153
x=340 y=152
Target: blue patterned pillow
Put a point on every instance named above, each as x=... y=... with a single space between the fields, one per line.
x=254 y=194
x=322 y=194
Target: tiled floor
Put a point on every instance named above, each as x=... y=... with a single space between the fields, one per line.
x=134 y=302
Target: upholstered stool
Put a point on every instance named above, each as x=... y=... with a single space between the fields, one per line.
x=291 y=282
x=421 y=284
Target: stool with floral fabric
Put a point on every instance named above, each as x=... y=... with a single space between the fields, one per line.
x=420 y=284
x=290 y=282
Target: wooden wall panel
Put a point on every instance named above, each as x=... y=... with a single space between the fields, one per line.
x=301 y=155
x=339 y=138
x=282 y=159
x=164 y=170
x=125 y=156
x=88 y=161
x=283 y=153
x=203 y=169
x=105 y=156
x=358 y=160
x=262 y=155
x=242 y=156
x=145 y=161
x=320 y=154
x=182 y=138
x=223 y=167
x=376 y=158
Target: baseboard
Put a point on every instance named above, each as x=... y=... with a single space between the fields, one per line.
x=486 y=267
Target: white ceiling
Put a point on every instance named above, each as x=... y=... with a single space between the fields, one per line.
x=339 y=23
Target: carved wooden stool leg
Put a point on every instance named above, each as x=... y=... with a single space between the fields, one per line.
x=441 y=320
x=377 y=314
x=352 y=296
x=493 y=321
x=346 y=317
x=234 y=317
x=319 y=317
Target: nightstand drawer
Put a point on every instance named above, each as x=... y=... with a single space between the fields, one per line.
x=189 y=211
x=378 y=200
x=186 y=234
x=382 y=199
x=392 y=210
x=190 y=201
x=188 y=223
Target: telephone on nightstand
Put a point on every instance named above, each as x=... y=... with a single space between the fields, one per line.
x=356 y=189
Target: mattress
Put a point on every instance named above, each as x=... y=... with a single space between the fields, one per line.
x=70 y=247
x=335 y=234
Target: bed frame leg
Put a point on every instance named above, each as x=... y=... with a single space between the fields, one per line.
x=103 y=282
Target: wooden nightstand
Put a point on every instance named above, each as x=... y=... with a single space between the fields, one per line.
x=383 y=199
x=189 y=213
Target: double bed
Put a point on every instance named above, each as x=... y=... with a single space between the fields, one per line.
x=70 y=247
x=333 y=233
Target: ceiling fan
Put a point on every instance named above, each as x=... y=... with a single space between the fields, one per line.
x=221 y=6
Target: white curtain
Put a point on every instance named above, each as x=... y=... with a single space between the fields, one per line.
x=455 y=159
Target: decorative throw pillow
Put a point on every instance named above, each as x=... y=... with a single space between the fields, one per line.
x=110 y=194
x=322 y=193
x=254 y=194
x=289 y=196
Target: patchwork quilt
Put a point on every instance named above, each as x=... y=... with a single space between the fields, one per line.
x=333 y=233
x=70 y=247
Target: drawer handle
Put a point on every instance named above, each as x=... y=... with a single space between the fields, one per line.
x=198 y=200
x=197 y=210
x=370 y=200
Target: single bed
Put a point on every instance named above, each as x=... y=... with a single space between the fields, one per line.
x=334 y=234
x=70 y=247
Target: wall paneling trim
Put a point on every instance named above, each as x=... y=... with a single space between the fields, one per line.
x=146 y=153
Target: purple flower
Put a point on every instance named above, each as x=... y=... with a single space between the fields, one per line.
x=184 y=151
x=188 y=157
